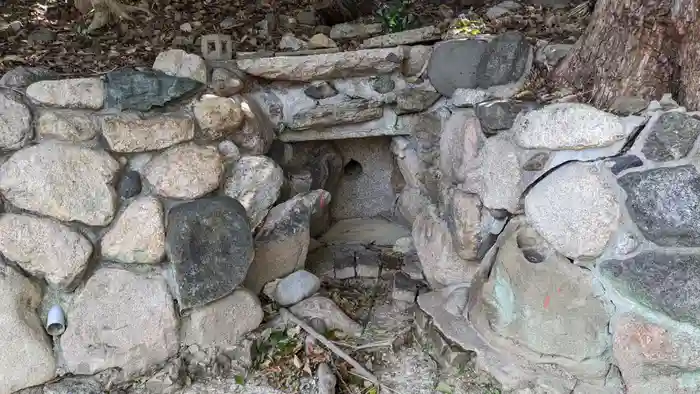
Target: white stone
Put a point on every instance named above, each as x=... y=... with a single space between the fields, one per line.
x=469 y=97
x=574 y=209
x=129 y=132
x=223 y=322
x=218 y=116
x=26 y=358
x=502 y=175
x=255 y=182
x=179 y=63
x=88 y=93
x=120 y=320
x=296 y=287
x=185 y=171
x=568 y=126
x=64 y=181
x=44 y=248
x=15 y=122
x=65 y=125
x=138 y=234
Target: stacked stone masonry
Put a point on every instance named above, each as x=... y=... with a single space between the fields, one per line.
x=561 y=243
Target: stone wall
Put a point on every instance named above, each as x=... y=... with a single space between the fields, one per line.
x=153 y=205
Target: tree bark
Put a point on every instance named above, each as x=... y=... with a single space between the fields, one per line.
x=642 y=48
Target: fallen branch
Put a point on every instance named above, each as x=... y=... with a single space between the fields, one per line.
x=363 y=372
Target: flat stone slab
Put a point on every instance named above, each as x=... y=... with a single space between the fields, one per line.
x=325 y=66
x=365 y=231
x=406 y=37
x=352 y=111
x=671 y=137
x=130 y=89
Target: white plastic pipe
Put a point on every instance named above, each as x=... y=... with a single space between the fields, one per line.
x=56 y=321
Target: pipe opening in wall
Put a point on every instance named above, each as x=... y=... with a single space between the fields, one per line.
x=353 y=169
x=531 y=249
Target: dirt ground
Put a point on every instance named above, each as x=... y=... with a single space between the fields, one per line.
x=52 y=33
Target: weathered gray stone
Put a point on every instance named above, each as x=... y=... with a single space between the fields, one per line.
x=663 y=282
x=209 y=242
x=464 y=220
x=255 y=181
x=537 y=162
x=218 y=116
x=282 y=242
x=325 y=309
x=364 y=231
x=665 y=204
x=355 y=30
x=120 y=320
x=65 y=125
x=226 y=83
x=179 y=63
x=454 y=64
x=130 y=89
x=73 y=386
x=185 y=171
x=296 y=287
x=325 y=66
x=441 y=264
x=574 y=209
x=257 y=133
x=291 y=43
x=321 y=41
x=44 y=248
x=414 y=100
x=403 y=288
x=138 y=234
x=88 y=93
x=505 y=60
x=500 y=114
x=15 y=122
x=502 y=176
x=406 y=37
x=134 y=132
x=460 y=142
x=26 y=359
x=586 y=127
x=671 y=137
x=320 y=89
x=21 y=76
x=65 y=181
x=540 y=302
x=325 y=115
x=551 y=54
x=224 y=322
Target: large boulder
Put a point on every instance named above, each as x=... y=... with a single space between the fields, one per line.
x=44 y=247
x=84 y=93
x=67 y=182
x=120 y=319
x=185 y=171
x=15 y=122
x=210 y=245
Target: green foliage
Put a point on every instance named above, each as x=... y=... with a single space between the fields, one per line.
x=470 y=27
x=395 y=15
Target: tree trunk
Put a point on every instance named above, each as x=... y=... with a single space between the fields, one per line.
x=642 y=48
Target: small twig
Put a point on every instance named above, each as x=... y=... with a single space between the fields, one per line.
x=330 y=345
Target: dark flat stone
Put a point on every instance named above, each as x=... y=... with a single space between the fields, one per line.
x=505 y=60
x=536 y=162
x=500 y=114
x=623 y=163
x=665 y=282
x=672 y=136
x=209 y=243
x=665 y=204
x=129 y=184
x=454 y=64
x=130 y=89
